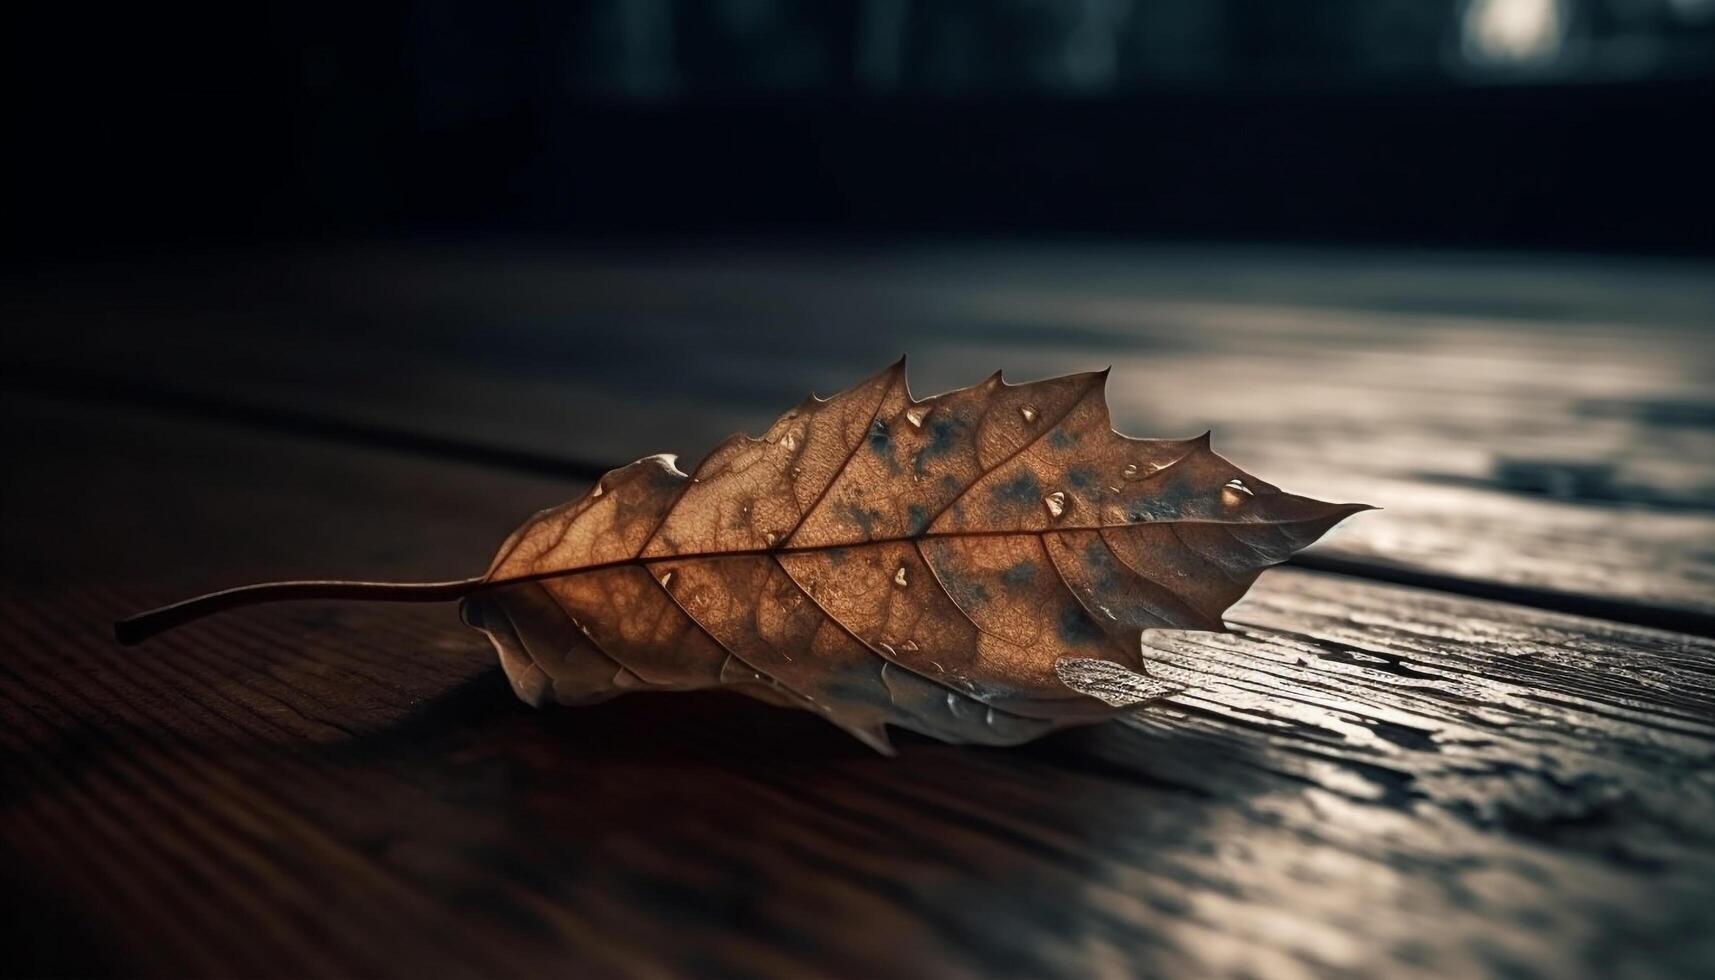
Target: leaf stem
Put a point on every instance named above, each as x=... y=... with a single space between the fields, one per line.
x=140 y=627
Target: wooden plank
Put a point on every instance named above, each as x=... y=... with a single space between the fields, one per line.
x=1539 y=424
x=1364 y=779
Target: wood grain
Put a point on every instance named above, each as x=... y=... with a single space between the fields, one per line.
x=1363 y=779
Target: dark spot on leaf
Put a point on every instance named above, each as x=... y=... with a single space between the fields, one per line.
x=966 y=591
x=918 y=519
x=879 y=441
x=944 y=433
x=1102 y=565
x=1167 y=498
x=1077 y=628
x=1021 y=489
x=863 y=518
x=1019 y=575
x=1081 y=477
x=1061 y=439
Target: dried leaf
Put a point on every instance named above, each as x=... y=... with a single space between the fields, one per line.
x=977 y=566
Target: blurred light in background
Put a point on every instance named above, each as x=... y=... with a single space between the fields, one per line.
x=1694 y=11
x=1104 y=48
x=1514 y=32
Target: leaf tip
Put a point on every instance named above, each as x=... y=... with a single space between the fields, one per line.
x=669 y=462
x=1340 y=512
x=899 y=371
x=894 y=371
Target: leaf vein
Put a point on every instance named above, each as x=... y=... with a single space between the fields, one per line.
x=1033 y=440
x=884 y=658
x=804 y=515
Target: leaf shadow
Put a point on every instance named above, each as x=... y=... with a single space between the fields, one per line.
x=699 y=827
x=708 y=813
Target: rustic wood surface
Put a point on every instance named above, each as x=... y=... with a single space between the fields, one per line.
x=1364 y=779
x=1535 y=424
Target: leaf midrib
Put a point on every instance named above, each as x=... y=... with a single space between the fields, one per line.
x=648 y=560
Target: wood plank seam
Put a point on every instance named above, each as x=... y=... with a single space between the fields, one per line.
x=132 y=394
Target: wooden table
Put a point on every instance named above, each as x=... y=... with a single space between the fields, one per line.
x=1473 y=734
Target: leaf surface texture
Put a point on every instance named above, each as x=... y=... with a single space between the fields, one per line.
x=962 y=566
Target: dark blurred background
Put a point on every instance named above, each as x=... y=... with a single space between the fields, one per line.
x=1564 y=124
x=1452 y=257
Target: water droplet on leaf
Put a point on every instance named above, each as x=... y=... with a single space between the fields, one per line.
x=1029 y=413
x=1235 y=493
x=1056 y=503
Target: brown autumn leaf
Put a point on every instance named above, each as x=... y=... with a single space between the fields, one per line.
x=944 y=565
x=978 y=566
